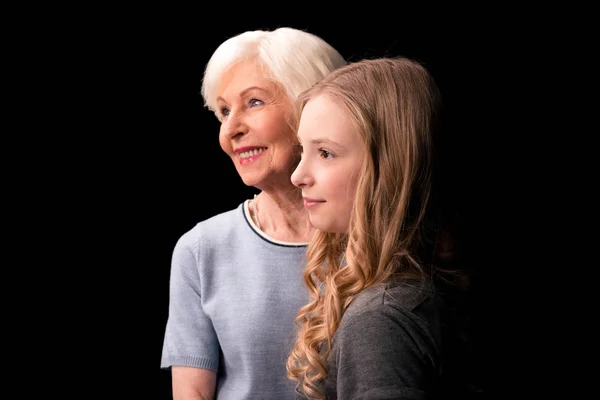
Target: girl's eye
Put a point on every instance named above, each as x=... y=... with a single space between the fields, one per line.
x=256 y=102
x=325 y=154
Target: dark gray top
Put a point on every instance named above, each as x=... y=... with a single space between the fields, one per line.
x=388 y=346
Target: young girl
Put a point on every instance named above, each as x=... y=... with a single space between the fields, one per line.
x=377 y=267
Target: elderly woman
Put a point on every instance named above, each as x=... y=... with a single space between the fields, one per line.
x=236 y=278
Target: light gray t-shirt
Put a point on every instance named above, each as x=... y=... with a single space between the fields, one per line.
x=234 y=294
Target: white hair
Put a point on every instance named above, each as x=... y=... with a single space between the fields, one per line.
x=293 y=58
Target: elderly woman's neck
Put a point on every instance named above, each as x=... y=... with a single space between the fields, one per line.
x=282 y=215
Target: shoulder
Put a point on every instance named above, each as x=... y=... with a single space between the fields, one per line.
x=394 y=307
x=215 y=226
x=220 y=222
x=404 y=297
x=215 y=229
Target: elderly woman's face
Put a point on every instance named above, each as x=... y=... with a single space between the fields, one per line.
x=254 y=129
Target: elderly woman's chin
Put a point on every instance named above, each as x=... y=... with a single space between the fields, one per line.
x=252 y=177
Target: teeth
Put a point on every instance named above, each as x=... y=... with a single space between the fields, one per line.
x=251 y=153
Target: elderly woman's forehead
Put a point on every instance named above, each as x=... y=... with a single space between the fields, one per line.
x=246 y=71
x=244 y=76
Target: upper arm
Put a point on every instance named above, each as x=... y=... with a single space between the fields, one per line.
x=190 y=338
x=193 y=383
x=384 y=353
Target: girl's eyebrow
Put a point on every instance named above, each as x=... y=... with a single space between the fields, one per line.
x=319 y=141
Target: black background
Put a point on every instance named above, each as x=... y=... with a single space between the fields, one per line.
x=193 y=180
x=157 y=168
x=109 y=157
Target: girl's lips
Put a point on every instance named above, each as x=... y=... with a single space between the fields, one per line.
x=308 y=203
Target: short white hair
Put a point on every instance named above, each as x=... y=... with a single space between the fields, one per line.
x=293 y=58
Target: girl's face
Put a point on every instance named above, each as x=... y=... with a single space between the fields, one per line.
x=332 y=156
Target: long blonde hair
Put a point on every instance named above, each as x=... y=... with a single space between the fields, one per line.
x=393 y=102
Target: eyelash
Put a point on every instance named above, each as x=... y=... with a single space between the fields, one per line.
x=224 y=110
x=323 y=153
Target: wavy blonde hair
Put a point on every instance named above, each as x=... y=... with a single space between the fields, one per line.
x=393 y=103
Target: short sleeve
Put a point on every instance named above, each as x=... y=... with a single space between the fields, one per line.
x=190 y=339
